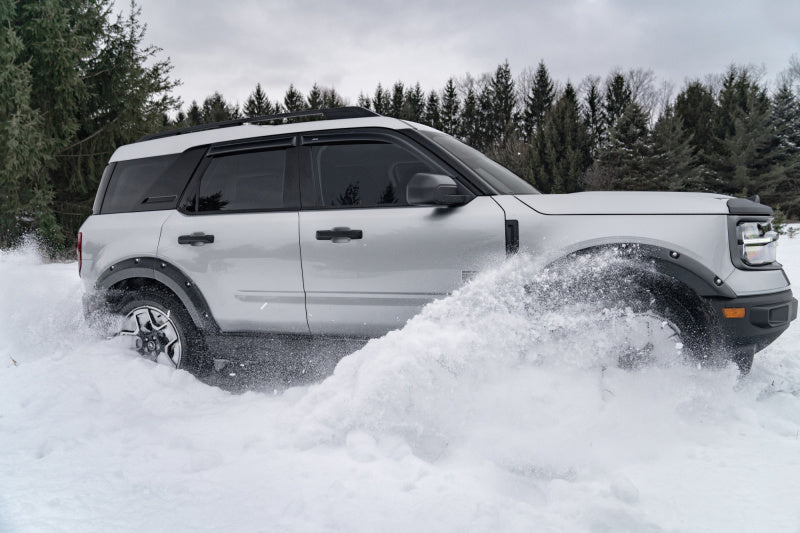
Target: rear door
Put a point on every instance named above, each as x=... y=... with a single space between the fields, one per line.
x=236 y=236
x=370 y=260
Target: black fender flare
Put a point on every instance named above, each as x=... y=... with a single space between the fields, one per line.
x=671 y=263
x=164 y=273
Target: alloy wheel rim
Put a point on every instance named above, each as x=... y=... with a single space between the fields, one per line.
x=650 y=337
x=153 y=335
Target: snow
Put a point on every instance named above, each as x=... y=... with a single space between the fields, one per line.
x=490 y=411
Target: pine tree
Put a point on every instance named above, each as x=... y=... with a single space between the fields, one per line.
x=180 y=119
x=673 y=164
x=625 y=159
x=216 y=109
x=451 y=108
x=398 y=100
x=470 y=121
x=485 y=110
x=381 y=102
x=331 y=99
x=566 y=142
x=696 y=108
x=193 y=114
x=25 y=191
x=746 y=149
x=539 y=164
x=414 y=104
x=257 y=104
x=96 y=86
x=538 y=101
x=293 y=100
x=364 y=101
x=433 y=111
x=314 y=98
x=618 y=97
x=500 y=113
x=593 y=114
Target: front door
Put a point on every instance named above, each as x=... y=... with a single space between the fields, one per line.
x=370 y=260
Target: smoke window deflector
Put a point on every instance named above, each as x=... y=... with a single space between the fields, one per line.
x=252 y=145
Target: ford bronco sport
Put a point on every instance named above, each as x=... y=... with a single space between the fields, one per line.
x=347 y=226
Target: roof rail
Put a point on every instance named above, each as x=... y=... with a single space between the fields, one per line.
x=327 y=114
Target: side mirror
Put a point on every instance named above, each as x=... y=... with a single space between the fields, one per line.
x=433 y=189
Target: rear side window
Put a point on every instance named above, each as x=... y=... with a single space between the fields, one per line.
x=150 y=183
x=365 y=174
x=252 y=181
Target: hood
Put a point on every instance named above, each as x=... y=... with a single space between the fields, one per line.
x=628 y=203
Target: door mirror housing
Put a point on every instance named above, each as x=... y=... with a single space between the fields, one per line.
x=434 y=189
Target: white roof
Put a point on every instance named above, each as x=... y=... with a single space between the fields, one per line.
x=175 y=144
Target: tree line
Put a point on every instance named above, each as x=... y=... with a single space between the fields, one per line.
x=77 y=81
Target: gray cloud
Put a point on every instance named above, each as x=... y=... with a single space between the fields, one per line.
x=352 y=45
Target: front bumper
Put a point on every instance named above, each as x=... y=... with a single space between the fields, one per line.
x=765 y=318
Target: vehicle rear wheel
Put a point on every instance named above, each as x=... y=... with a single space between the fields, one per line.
x=160 y=329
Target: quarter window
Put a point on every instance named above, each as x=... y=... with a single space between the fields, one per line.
x=365 y=174
x=143 y=185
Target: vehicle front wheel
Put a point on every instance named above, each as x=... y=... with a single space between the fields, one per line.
x=651 y=316
x=159 y=328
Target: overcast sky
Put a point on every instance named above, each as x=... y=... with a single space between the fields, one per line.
x=352 y=45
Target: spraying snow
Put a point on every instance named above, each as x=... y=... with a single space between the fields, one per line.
x=500 y=408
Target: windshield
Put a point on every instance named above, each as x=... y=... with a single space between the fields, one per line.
x=495 y=174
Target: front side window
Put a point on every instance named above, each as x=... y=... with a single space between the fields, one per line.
x=251 y=181
x=365 y=174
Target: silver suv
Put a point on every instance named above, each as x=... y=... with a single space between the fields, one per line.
x=348 y=225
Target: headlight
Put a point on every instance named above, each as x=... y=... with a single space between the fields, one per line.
x=757 y=242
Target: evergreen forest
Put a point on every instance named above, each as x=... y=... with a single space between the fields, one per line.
x=78 y=80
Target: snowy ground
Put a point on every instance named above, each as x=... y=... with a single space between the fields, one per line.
x=468 y=419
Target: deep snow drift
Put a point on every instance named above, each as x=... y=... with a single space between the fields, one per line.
x=488 y=412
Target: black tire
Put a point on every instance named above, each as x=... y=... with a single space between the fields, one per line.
x=170 y=314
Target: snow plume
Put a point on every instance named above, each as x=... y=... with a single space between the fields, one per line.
x=41 y=305
x=517 y=347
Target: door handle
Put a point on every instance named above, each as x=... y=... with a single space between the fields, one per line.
x=339 y=234
x=196 y=239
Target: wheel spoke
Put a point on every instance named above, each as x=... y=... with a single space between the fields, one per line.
x=131 y=332
x=174 y=347
x=153 y=319
x=156 y=334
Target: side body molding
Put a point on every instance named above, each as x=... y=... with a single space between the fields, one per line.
x=174 y=279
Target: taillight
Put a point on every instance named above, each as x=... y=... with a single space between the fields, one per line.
x=80 y=252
